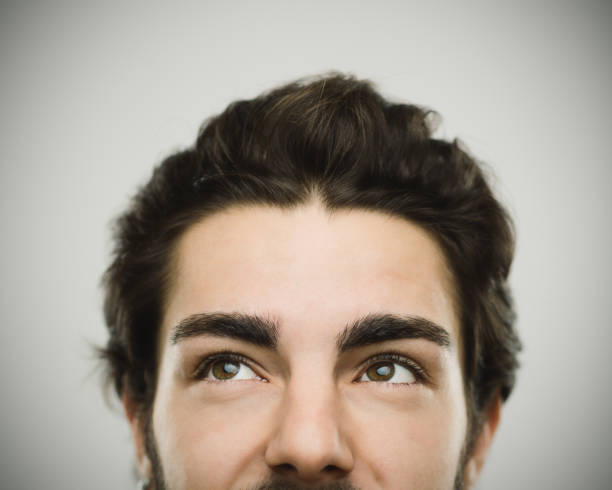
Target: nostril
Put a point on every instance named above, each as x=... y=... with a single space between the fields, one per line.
x=332 y=470
x=286 y=469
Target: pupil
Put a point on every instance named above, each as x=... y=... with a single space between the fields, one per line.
x=230 y=368
x=225 y=369
x=381 y=372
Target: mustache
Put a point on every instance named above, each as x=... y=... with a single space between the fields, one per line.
x=279 y=483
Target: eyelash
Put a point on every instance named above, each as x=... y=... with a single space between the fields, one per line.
x=204 y=367
x=419 y=373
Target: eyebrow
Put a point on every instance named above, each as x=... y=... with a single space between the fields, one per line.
x=263 y=332
x=373 y=329
x=253 y=329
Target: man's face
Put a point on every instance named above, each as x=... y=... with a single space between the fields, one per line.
x=309 y=348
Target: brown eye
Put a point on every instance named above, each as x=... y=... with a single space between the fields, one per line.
x=382 y=371
x=225 y=369
x=228 y=369
x=388 y=372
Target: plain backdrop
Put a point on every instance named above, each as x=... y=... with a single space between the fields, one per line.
x=93 y=94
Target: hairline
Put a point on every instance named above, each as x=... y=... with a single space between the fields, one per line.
x=314 y=196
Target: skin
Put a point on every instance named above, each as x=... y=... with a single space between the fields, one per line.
x=304 y=411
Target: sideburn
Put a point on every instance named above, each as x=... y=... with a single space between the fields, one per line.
x=158 y=482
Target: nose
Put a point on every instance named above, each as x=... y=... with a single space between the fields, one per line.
x=308 y=443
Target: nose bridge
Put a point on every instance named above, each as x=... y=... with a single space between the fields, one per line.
x=311 y=407
x=309 y=442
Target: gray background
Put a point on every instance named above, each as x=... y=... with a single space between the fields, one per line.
x=93 y=94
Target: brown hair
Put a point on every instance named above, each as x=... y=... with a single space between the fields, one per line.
x=334 y=137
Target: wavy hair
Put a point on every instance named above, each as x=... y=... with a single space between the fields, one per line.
x=336 y=138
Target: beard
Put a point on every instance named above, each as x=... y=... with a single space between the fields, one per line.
x=158 y=481
x=280 y=483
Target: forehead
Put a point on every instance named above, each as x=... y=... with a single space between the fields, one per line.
x=305 y=265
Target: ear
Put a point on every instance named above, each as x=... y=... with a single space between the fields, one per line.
x=138 y=434
x=482 y=444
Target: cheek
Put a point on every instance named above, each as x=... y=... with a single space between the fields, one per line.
x=410 y=444
x=209 y=443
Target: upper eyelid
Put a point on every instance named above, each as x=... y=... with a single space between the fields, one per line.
x=418 y=370
x=204 y=364
x=392 y=356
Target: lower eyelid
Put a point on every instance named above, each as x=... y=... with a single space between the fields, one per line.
x=411 y=371
x=203 y=368
x=419 y=373
x=241 y=366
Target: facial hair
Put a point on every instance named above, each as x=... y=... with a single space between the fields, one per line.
x=158 y=481
x=280 y=483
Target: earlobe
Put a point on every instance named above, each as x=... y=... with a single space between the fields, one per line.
x=483 y=442
x=137 y=428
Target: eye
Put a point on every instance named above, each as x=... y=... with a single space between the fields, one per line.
x=227 y=368
x=389 y=371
